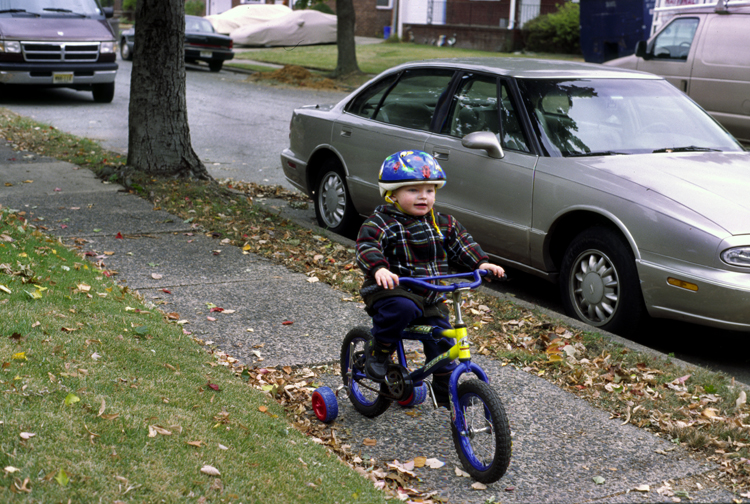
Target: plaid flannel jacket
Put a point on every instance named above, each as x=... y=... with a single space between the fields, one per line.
x=411 y=246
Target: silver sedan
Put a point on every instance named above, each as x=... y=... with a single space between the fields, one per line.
x=611 y=183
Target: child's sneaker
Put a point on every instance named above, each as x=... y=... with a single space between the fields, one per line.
x=377 y=358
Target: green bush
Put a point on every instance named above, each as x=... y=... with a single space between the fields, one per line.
x=128 y=5
x=558 y=32
x=195 y=8
x=322 y=8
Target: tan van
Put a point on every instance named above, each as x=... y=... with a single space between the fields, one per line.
x=704 y=51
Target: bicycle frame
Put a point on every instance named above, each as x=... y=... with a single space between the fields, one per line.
x=460 y=350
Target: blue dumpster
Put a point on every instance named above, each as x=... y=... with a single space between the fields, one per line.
x=386 y=32
x=611 y=28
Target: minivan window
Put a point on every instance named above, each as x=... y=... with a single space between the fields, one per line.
x=675 y=40
x=51 y=7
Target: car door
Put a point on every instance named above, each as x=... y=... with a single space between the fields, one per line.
x=492 y=198
x=391 y=115
x=672 y=52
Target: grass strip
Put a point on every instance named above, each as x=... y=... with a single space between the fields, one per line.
x=373 y=58
x=701 y=410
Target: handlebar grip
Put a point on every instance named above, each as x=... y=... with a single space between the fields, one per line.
x=371 y=289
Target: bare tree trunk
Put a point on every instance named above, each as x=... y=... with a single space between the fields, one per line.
x=347 y=55
x=158 y=130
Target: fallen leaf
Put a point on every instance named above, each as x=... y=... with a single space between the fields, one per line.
x=71 y=398
x=102 y=407
x=419 y=462
x=479 y=486
x=742 y=399
x=27 y=435
x=287 y=322
x=62 y=478
x=153 y=430
x=166 y=291
x=118 y=236
x=462 y=474
x=5 y=289
x=369 y=442
x=197 y=444
x=262 y=409
x=11 y=469
x=598 y=480
x=213 y=386
x=434 y=463
x=156 y=276
x=642 y=488
x=210 y=470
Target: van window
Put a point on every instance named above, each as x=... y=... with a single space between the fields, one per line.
x=722 y=33
x=674 y=41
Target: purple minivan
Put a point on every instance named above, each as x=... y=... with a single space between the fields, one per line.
x=63 y=43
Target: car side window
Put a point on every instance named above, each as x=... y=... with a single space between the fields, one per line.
x=475 y=107
x=413 y=100
x=674 y=41
x=366 y=103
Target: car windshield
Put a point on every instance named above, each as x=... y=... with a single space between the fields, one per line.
x=50 y=7
x=587 y=117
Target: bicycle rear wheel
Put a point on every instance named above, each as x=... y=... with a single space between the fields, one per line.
x=365 y=400
x=483 y=442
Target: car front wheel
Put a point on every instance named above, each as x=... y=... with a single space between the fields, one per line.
x=125 y=53
x=599 y=281
x=333 y=204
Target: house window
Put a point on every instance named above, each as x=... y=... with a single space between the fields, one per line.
x=384 y=4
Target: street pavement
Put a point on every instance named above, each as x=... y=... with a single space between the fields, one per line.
x=560 y=442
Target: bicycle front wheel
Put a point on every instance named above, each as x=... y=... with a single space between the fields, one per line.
x=483 y=440
x=361 y=394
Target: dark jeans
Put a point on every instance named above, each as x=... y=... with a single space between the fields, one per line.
x=395 y=313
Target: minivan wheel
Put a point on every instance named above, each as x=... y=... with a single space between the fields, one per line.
x=599 y=282
x=103 y=93
x=333 y=204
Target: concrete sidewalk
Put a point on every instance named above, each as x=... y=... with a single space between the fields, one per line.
x=560 y=441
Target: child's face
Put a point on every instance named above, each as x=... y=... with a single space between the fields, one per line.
x=415 y=200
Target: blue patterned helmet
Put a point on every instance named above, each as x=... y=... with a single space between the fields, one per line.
x=407 y=168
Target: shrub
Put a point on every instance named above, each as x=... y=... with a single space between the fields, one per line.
x=557 y=32
x=128 y=5
x=322 y=8
x=195 y=8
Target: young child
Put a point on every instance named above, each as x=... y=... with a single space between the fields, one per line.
x=405 y=237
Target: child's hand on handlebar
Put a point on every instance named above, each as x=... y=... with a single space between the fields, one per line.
x=386 y=279
x=494 y=270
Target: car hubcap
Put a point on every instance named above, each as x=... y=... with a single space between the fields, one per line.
x=595 y=287
x=332 y=200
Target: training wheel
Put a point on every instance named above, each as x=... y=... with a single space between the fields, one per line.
x=417 y=396
x=324 y=404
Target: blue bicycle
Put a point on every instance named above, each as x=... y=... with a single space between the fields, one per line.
x=481 y=433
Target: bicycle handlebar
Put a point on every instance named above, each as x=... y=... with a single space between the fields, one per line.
x=424 y=281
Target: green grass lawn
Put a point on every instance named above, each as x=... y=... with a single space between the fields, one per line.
x=372 y=58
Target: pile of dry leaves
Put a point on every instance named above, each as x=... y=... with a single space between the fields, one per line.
x=296 y=76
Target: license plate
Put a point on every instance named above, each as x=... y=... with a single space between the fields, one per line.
x=206 y=54
x=62 y=78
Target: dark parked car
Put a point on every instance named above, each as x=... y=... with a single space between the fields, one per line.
x=202 y=43
x=611 y=182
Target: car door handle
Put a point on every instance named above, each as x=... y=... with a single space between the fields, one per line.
x=345 y=133
x=441 y=156
x=683 y=83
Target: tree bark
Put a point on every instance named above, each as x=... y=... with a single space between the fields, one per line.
x=158 y=131
x=347 y=56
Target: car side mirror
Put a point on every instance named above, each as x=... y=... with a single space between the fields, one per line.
x=485 y=140
x=108 y=12
x=641 y=48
